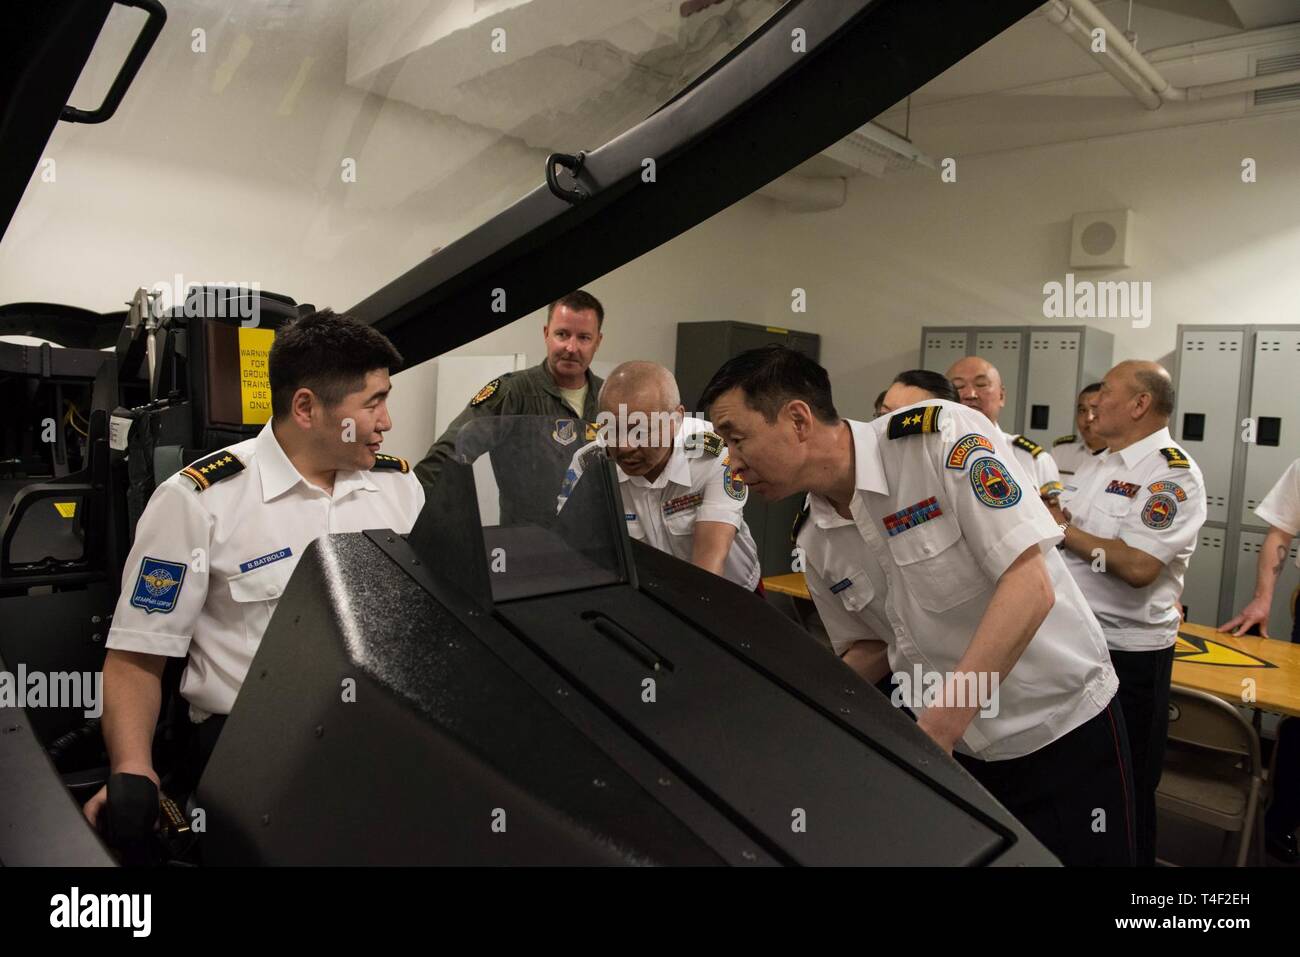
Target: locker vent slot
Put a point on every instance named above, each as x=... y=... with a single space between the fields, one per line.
x=1269 y=432
x=1193 y=427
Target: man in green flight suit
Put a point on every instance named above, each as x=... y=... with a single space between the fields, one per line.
x=561 y=388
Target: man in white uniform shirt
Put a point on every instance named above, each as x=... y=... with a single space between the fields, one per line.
x=1281 y=510
x=925 y=508
x=1134 y=513
x=1072 y=451
x=218 y=541
x=680 y=494
x=979 y=384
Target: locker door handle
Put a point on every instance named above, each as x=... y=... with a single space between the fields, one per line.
x=629 y=642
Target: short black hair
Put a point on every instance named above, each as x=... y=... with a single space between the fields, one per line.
x=770 y=376
x=1089 y=389
x=880 y=400
x=579 y=301
x=932 y=382
x=327 y=352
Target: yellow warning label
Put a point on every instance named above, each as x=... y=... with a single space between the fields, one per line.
x=66 y=509
x=1203 y=651
x=254 y=374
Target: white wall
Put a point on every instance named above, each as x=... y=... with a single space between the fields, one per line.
x=909 y=250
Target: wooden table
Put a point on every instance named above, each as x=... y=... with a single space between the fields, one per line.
x=1212 y=661
x=1204 y=659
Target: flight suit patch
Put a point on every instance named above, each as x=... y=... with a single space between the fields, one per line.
x=914 y=422
x=993 y=483
x=565 y=431
x=1176 y=458
x=1173 y=488
x=485 y=393
x=591 y=433
x=1127 y=489
x=1159 y=511
x=964 y=447
x=912 y=516
x=158 y=585
x=733 y=484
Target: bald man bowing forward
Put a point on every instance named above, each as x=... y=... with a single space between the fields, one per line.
x=679 y=492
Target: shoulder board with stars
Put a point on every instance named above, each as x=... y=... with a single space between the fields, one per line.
x=1176 y=458
x=711 y=442
x=1063 y=440
x=1030 y=446
x=395 y=462
x=217 y=466
x=799 y=520
x=914 y=421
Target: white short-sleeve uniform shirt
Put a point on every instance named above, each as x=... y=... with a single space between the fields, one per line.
x=1281 y=506
x=1070 y=452
x=215 y=548
x=1037 y=462
x=1150 y=496
x=941 y=510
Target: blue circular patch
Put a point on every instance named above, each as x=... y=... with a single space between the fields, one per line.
x=993 y=483
x=1159 y=511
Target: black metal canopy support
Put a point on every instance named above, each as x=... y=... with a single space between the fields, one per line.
x=758 y=114
x=43 y=47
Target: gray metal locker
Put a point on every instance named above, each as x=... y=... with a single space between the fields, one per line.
x=1001 y=345
x=1061 y=360
x=1201 y=584
x=1279 y=620
x=1005 y=349
x=1275 y=407
x=940 y=348
x=1205 y=415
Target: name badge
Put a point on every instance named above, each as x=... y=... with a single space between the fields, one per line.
x=252 y=563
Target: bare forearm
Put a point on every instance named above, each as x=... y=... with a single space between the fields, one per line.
x=869 y=658
x=1016 y=610
x=132 y=695
x=1128 y=564
x=711 y=544
x=1272 y=557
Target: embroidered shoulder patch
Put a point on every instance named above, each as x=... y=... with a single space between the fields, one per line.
x=993 y=483
x=485 y=393
x=912 y=516
x=1176 y=458
x=732 y=483
x=1127 y=489
x=1173 y=488
x=1159 y=511
x=1063 y=440
x=158 y=585
x=1033 y=448
x=914 y=421
x=395 y=462
x=1048 y=489
x=710 y=442
x=964 y=447
x=217 y=466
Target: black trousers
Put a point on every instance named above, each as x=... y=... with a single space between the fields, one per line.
x=1144 y=696
x=1075 y=795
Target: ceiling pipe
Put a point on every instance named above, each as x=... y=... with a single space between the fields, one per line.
x=1079 y=18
